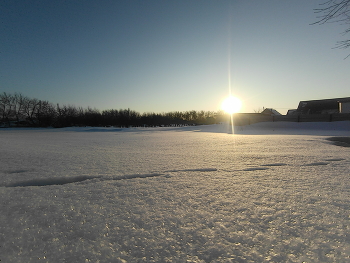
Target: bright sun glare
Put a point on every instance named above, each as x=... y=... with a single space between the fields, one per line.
x=231 y=105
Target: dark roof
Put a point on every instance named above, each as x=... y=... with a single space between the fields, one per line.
x=320 y=106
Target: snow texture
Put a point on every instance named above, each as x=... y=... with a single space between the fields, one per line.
x=186 y=194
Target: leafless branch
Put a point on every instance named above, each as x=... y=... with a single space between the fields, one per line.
x=337 y=11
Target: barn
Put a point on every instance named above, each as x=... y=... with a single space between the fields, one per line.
x=326 y=106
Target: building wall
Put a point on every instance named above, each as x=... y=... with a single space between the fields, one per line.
x=344 y=107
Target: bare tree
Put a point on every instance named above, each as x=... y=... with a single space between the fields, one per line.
x=30 y=107
x=45 y=113
x=259 y=110
x=336 y=11
x=7 y=105
x=19 y=106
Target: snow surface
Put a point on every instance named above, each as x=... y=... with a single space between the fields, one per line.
x=180 y=194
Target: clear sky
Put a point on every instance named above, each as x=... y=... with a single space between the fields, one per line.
x=174 y=55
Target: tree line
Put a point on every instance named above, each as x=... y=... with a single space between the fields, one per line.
x=19 y=110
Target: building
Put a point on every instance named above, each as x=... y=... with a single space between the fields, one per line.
x=291 y=112
x=269 y=111
x=326 y=106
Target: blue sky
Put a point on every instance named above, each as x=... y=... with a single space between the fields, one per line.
x=161 y=56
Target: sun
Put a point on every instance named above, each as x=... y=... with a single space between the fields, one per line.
x=231 y=105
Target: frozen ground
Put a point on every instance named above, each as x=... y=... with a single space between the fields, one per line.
x=193 y=194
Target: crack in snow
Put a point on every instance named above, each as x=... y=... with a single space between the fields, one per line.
x=75 y=179
x=193 y=170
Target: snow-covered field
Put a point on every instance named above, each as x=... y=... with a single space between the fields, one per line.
x=273 y=192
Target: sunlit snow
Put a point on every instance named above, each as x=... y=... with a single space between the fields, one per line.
x=272 y=192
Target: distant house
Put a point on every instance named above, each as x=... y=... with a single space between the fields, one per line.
x=269 y=111
x=326 y=106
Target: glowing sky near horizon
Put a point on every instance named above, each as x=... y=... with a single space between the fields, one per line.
x=161 y=56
